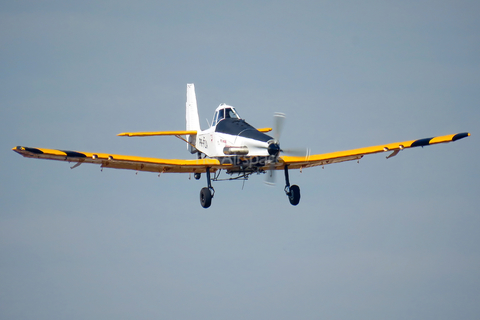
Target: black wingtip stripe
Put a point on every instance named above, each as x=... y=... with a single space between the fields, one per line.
x=74 y=154
x=33 y=150
x=459 y=136
x=421 y=142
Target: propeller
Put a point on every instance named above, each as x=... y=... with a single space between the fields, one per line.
x=278 y=122
x=274 y=147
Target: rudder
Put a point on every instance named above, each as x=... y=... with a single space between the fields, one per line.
x=192 y=121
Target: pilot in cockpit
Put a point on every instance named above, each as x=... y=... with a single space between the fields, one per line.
x=229 y=113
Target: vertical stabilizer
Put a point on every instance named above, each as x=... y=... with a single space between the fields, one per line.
x=193 y=123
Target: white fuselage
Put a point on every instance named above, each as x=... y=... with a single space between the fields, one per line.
x=230 y=136
x=218 y=144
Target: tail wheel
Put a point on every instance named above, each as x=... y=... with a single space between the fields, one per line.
x=294 y=195
x=205 y=197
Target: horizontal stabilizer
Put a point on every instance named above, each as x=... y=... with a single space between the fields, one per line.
x=158 y=133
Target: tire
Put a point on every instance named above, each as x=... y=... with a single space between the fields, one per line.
x=205 y=197
x=197 y=176
x=294 y=195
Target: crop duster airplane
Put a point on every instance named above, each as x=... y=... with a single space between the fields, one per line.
x=229 y=144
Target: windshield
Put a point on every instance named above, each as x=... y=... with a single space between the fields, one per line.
x=230 y=114
x=227 y=113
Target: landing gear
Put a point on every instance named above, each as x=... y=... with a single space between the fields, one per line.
x=294 y=195
x=205 y=197
x=206 y=194
x=198 y=175
x=292 y=192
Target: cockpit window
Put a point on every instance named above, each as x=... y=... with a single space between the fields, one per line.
x=227 y=113
x=217 y=117
x=214 y=121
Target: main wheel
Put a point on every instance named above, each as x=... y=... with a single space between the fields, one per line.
x=294 y=195
x=197 y=176
x=205 y=197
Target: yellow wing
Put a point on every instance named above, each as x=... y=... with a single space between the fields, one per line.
x=356 y=154
x=178 y=165
x=123 y=162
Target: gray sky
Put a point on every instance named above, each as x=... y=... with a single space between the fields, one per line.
x=382 y=239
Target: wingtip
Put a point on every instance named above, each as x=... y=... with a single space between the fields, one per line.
x=459 y=136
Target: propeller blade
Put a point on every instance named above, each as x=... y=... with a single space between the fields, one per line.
x=270 y=178
x=297 y=152
x=278 y=122
x=274 y=147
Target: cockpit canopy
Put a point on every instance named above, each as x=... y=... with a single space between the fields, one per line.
x=224 y=112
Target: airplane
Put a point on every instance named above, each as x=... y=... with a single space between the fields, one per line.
x=229 y=144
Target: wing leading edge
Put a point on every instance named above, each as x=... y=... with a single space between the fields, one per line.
x=123 y=162
x=357 y=154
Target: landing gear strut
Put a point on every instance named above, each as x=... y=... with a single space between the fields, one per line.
x=292 y=192
x=206 y=194
x=198 y=175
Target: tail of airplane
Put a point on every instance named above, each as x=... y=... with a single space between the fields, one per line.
x=193 y=123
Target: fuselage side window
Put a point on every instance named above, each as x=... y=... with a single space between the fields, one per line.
x=221 y=115
x=214 y=122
